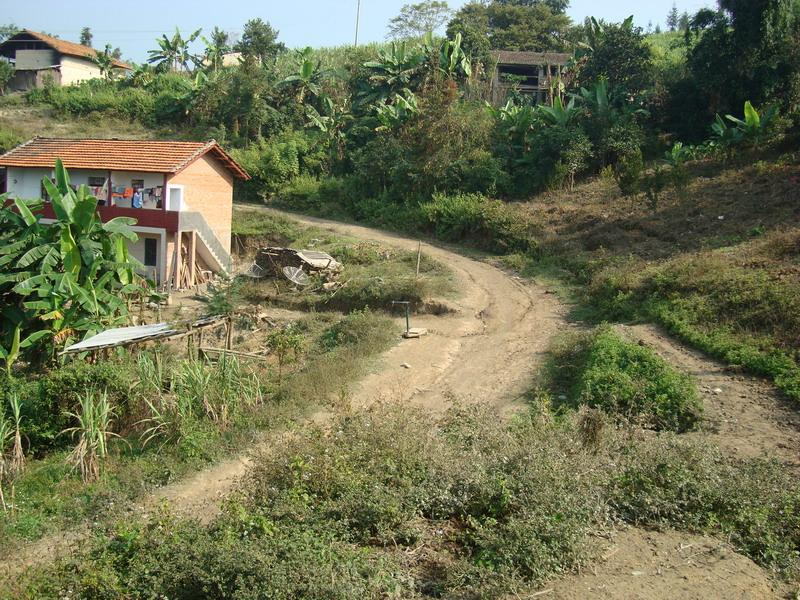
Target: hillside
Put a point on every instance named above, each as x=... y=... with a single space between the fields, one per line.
x=598 y=248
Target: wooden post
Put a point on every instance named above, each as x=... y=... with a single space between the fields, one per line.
x=229 y=335
x=200 y=353
x=419 y=257
x=192 y=251
x=178 y=261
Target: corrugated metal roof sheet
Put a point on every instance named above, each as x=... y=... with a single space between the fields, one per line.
x=153 y=156
x=511 y=57
x=121 y=335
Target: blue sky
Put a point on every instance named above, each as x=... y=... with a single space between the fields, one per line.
x=134 y=24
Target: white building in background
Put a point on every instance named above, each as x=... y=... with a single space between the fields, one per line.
x=37 y=57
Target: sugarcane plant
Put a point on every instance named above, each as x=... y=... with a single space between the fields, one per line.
x=61 y=281
x=93 y=430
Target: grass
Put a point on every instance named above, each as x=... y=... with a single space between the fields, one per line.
x=744 y=314
x=20 y=122
x=602 y=370
x=384 y=505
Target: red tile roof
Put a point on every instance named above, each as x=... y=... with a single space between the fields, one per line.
x=149 y=156
x=64 y=47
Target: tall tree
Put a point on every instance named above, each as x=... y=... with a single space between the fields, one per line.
x=216 y=47
x=746 y=50
x=260 y=40
x=86 y=37
x=415 y=20
x=620 y=54
x=672 y=18
x=6 y=31
x=509 y=26
x=557 y=6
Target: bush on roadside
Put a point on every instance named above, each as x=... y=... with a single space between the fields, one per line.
x=379 y=503
x=476 y=220
x=602 y=370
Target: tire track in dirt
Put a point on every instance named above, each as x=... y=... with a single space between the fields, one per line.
x=745 y=416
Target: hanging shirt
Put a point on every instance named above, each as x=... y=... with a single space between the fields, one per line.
x=136 y=201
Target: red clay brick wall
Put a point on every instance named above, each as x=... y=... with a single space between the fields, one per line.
x=208 y=189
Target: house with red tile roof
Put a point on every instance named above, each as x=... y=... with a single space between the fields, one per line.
x=179 y=193
x=37 y=57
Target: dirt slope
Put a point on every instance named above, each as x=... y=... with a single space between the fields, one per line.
x=745 y=416
x=666 y=565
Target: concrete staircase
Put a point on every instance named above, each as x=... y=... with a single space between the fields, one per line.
x=209 y=248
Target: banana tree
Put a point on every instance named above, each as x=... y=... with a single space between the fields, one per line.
x=449 y=57
x=309 y=76
x=62 y=281
x=173 y=53
x=559 y=114
x=393 y=115
x=755 y=127
x=105 y=62
x=331 y=120
x=398 y=68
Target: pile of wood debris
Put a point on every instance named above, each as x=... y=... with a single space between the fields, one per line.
x=273 y=261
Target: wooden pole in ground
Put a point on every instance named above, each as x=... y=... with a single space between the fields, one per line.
x=229 y=335
x=190 y=343
x=419 y=257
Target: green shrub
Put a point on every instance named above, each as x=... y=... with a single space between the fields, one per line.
x=360 y=326
x=472 y=218
x=377 y=503
x=754 y=504
x=602 y=370
x=738 y=314
x=628 y=172
x=48 y=400
x=302 y=194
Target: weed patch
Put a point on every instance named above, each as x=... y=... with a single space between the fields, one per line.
x=384 y=505
x=602 y=370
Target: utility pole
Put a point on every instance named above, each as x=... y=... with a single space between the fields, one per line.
x=358 y=18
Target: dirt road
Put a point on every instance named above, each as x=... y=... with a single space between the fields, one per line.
x=487 y=351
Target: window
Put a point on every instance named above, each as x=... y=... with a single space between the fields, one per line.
x=150 y=252
x=97 y=181
x=43 y=191
x=553 y=71
x=137 y=184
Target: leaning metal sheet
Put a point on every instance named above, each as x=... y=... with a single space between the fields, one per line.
x=121 y=336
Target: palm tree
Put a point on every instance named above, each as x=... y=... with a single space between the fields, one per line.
x=173 y=53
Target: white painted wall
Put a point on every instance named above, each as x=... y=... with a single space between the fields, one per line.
x=136 y=250
x=75 y=70
x=26 y=183
x=35 y=59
